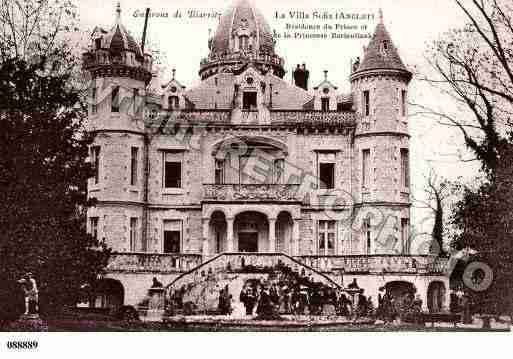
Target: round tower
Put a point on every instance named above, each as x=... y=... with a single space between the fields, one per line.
x=119 y=72
x=381 y=147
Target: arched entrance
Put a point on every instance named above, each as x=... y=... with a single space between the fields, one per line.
x=107 y=293
x=217 y=228
x=436 y=297
x=251 y=232
x=284 y=224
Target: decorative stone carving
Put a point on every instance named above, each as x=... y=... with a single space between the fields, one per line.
x=251 y=192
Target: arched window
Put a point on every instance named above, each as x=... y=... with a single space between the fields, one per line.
x=243 y=42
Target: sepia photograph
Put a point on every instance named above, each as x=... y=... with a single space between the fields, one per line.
x=249 y=166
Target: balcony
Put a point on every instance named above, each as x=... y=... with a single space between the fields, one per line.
x=377 y=264
x=251 y=192
x=153 y=262
x=346 y=119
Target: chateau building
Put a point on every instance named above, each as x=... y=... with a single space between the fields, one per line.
x=249 y=166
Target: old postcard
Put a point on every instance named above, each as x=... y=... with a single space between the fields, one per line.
x=255 y=166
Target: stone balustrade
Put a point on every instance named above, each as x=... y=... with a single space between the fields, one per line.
x=340 y=119
x=153 y=262
x=377 y=264
x=251 y=192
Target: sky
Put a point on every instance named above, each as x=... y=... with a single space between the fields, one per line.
x=413 y=25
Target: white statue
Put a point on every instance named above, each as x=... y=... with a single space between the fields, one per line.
x=29 y=286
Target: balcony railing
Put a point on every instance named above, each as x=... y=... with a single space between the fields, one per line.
x=312 y=118
x=377 y=264
x=251 y=192
x=152 y=262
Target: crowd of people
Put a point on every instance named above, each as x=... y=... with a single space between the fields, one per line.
x=288 y=292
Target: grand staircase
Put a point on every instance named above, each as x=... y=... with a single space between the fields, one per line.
x=198 y=290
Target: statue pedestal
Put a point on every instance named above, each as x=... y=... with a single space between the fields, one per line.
x=29 y=323
x=156 y=305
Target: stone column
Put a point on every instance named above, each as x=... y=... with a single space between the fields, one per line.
x=272 y=235
x=229 y=235
x=206 y=247
x=295 y=238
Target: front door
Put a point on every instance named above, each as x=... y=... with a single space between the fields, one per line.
x=248 y=242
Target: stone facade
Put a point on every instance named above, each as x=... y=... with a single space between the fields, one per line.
x=246 y=162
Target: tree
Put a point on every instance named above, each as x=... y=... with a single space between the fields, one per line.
x=35 y=28
x=43 y=170
x=473 y=66
x=484 y=219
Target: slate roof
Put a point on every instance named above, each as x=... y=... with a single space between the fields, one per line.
x=118 y=39
x=377 y=56
x=208 y=95
x=231 y=19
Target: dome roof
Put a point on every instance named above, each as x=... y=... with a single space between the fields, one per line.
x=118 y=39
x=381 y=52
x=242 y=14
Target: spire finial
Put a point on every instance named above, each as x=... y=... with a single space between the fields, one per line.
x=380 y=15
x=118 y=12
x=326 y=75
x=174 y=73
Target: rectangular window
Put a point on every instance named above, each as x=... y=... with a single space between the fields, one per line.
x=135 y=97
x=325 y=104
x=172 y=169
x=94 y=105
x=366 y=168
x=366 y=103
x=405 y=168
x=115 y=99
x=405 y=223
x=173 y=175
x=93 y=227
x=279 y=166
x=327 y=237
x=133 y=234
x=133 y=166
x=95 y=163
x=173 y=102
x=403 y=102
x=172 y=236
x=219 y=171
x=368 y=235
x=249 y=101
x=327 y=175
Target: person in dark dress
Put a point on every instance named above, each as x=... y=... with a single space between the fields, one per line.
x=248 y=298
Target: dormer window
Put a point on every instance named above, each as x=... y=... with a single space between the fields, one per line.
x=249 y=101
x=173 y=102
x=243 y=42
x=98 y=43
x=325 y=104
x=384 y=47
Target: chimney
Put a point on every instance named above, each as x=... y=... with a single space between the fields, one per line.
x=301 y=75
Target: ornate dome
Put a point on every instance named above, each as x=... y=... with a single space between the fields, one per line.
x=118 y=39
x=242 y=16
x=243 y=36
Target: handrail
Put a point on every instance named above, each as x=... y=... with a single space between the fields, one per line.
x=203 y=265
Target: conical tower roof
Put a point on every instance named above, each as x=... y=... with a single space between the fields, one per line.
x=381 y=52
x=119 y=39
